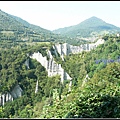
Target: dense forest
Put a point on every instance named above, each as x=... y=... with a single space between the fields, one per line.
x=94 y=96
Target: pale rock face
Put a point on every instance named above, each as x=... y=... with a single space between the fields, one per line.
x=9 y=96
x=36 y=89
x=27 y=63
x=4 y=98
x=55 y=50
x=85 y=79
x=118 y=35
x=16 y=92
x=38 y=56
x=58 y=48
x=65 y=49
x=51 y=66
x=100 y=41
x=70 y=85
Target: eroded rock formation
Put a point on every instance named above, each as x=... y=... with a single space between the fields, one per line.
x=54 y=68
x=10 y=96
x=51 y=66
x=66 y=49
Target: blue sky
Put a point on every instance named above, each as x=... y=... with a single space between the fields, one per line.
x=58 y=14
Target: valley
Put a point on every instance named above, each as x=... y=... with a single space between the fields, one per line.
x=60 y=73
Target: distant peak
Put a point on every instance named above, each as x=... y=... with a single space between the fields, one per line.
x=94 y=17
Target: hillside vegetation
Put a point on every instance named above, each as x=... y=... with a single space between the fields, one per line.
x=88 y=28
x=13 y=28
x=95 y=97
x=15 y=31
x=95 y=74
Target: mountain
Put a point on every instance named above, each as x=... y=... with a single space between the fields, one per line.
x=88 y=27
x=31 y=26
x=15 y=28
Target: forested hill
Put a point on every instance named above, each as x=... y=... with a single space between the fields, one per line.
x=95 y=83
x=87 y=28
x=31 y=26
x=16 y=29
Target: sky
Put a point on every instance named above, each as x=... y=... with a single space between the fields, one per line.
x=52 y=15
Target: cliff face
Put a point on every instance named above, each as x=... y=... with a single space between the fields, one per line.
x=51 y=66
x=54 y=68
x=65 y=49
x=10 y=96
